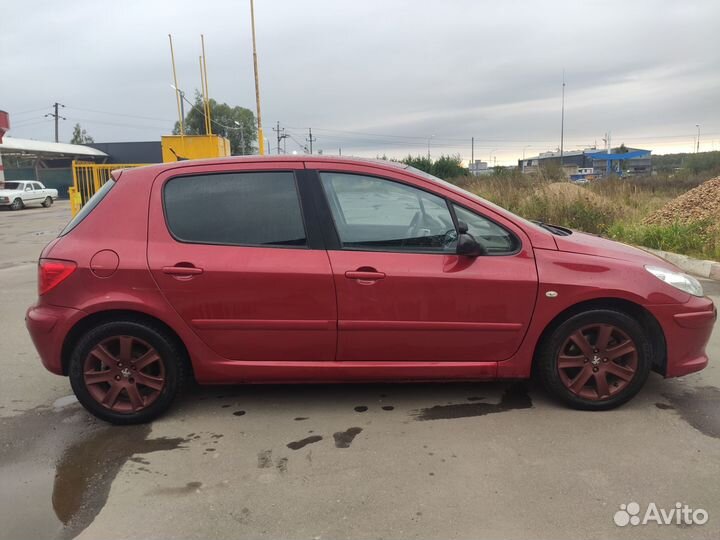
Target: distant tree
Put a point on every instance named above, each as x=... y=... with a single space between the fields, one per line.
x=444 y=167
x=242 y=137
x=80 y=136
x=448 y=167
x=622 y=149
x=419 y=162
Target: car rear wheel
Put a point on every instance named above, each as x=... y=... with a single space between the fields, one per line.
x=595 y=360
x=47 y=203
x=17 y=204
x=127 y=372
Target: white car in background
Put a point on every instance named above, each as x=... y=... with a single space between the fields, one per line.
x=17 y=194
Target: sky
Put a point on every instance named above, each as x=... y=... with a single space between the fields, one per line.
x=375 y=78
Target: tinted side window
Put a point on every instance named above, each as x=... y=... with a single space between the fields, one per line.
x=259 y=208
x=495 y=239
x=36 y=185
x=373 y=213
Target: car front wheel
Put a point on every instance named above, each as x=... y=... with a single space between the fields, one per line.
x=47 y=203
x=126 y=372
x=595 y=360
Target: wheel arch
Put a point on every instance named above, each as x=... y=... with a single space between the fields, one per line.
x=638 y=312
x=94 y=319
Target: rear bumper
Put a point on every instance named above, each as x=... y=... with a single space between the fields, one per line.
x=48 y=326
x=687 y=328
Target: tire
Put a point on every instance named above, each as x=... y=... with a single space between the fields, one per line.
x=592 y=347
x=47 y=203
x=17 y=204
x=138 y=388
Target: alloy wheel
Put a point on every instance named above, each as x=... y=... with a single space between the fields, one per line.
x=124 y=374
x=597 y=361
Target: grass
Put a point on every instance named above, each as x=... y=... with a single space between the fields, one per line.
x=613 y=208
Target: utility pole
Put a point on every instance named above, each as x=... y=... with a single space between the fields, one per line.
x=261 y=141
x=697 y=148
x=472 y=150
x=340 y=151
x=562 y=121
x=310 y=139
x=429 y=139
x=57 y=117
x=280 y=135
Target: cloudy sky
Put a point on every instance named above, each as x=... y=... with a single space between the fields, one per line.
x=376 y=77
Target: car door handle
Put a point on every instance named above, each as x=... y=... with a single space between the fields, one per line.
x=365 y=275
x=178 y=270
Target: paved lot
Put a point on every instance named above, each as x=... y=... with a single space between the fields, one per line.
x=368 y=461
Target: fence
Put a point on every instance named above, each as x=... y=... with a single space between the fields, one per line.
x=88 y=178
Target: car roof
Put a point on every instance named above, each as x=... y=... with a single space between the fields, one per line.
x=380 y=163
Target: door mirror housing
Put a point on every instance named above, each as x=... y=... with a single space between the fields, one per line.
x=466 y=243
x=468 y=246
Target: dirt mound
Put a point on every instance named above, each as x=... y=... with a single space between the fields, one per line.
x=701 y=204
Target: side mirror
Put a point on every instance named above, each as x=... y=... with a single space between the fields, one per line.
x=466 y=243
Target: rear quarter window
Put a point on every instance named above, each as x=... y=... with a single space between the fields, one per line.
x=89 y=206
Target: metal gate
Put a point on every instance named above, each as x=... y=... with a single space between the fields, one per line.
x=88 y=178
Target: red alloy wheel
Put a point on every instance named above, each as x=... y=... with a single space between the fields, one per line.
x=597 y=361
x=124 y=374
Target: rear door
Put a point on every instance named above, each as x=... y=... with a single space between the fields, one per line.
x=403 y=294
x=235 y=255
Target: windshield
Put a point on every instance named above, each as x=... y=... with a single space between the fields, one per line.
x=11 y=185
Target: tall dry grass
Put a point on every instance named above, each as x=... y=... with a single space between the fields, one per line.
x=611 y=207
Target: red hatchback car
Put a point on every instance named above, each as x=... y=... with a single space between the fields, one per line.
x=246 y=270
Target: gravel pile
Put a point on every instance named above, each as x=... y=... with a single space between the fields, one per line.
x=697 y=205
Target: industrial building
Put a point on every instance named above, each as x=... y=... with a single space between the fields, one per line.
x=592 y=161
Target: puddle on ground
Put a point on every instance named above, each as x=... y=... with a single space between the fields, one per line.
x=70 y=469
x=88 y=467
x=698 y=407
x=343 y=439
x=515 y=397
x=297 y=445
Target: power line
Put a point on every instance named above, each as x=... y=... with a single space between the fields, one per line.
x=28 y=111
x=120 y=114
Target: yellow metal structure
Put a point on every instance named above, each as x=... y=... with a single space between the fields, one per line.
x=88 y=178
x=181 y=147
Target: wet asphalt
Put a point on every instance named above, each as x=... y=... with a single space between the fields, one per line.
x=466 y=460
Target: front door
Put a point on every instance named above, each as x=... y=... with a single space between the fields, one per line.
x=228 y=248
x=402 y=292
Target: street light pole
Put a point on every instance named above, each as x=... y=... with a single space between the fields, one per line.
x=429 y=139
x=697 y=148
x=562 y=121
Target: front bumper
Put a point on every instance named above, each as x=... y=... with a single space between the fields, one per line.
x=687 y=328
x=48 y=327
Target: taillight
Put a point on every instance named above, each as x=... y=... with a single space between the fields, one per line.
x=52 y=272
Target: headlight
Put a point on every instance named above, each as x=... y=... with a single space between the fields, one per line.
x=680 y=281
